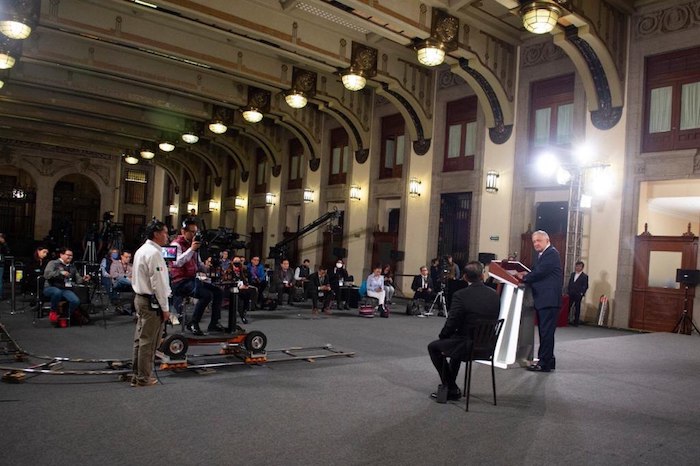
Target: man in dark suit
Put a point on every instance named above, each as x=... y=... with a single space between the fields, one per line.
x=320 y=290
x=578 y=285
x=476 y=302
x=546 y=280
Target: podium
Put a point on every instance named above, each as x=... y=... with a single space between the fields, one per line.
x=516 y=342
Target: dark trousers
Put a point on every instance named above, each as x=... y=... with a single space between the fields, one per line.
x=438 y=349
x=57 y=294
x=205 y=293
x=575 y=302
x=547 y=318
x=325 y=299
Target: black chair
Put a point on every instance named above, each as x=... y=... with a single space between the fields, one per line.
x=484 y=337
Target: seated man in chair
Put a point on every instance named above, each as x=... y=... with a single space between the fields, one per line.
x=320 y=289
x=61 y=277
x=469 y=305
x=185 y=282
x=423 y=287
x=120 y=272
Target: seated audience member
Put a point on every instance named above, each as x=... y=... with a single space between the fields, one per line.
x=320 y=288
x=339 y=277
x=61 y=277
x=423 y=286
x=301 y=278
x=470 y=304
x=283 y=282
x=33 y=281
x=436 y=272
x=183 y=271
x=388 y=283
x=224 y=261
x=375 y=289
x=121 y=273
x=105 y=267
x=257 y=277
x=247 y=294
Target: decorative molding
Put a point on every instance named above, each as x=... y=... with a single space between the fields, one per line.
x=606 y=116
x=16 y=143
x=276 y=170
x=217 y=181
x=361 y=155
x=245 y=174
x=673 y=19
x=543 y=52
x=421 y=144
x=500 y=132
x=314 y=164
x=640 y=167
x=447 y=78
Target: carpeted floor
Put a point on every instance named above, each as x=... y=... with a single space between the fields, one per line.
x=616 y=398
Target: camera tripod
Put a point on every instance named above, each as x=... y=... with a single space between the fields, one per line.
x=439 y=303
x=685 y=322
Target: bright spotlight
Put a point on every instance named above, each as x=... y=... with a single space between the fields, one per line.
x=600 y=181
x=563 y=176
x=547 y=164
x=583 y=154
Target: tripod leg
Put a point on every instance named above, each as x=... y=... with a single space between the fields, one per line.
x=677 y=327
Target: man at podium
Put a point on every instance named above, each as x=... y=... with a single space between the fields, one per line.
x=546 y=280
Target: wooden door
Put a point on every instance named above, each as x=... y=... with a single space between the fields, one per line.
x=657 y=299
x=527 y=253
x=382 y=245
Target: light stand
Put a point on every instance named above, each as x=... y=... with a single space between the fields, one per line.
x=439 y=301
x=13 y=291
x=684 y=321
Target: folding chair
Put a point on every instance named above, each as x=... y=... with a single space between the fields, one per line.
x=484 y=337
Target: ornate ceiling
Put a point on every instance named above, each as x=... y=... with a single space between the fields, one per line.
x=102 y=76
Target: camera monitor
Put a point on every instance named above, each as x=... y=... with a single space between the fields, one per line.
x=169 y=253
x=688 y=277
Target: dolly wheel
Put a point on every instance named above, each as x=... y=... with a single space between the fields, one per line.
x=175 y=346
x=255 y=341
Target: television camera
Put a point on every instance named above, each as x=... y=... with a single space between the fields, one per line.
x=215 y=240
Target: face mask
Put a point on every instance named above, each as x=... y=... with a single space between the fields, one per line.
x=236 y=264
x=115 y=256
x=339 y=265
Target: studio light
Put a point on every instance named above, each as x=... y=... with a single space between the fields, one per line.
x=563 y=176
x=363 y=65
x=492 y=181
x=18 y=18
x=540 y=17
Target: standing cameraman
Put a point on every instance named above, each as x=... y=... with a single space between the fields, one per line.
x=185 y=282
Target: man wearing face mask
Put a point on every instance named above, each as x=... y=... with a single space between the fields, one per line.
x=237 y=274
x=185 y=282
x=339 y=277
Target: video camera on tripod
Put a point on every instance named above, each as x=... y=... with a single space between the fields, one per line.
x=215 y=240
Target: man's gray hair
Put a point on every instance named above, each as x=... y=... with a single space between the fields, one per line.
x=541 y=233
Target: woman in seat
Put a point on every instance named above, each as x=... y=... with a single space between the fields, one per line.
x=375 y=289
x=388 y=283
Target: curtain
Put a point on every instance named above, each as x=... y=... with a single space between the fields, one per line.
x=400 y=149
x=335 y=161
x=346 y=158
x=660 y=110
x=470 y=139
x=690 y=106
x=453 y=141
x=542 y=122
x=389 y=148
x=565 y=123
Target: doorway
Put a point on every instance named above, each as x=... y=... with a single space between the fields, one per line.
x=76 y=211
x=455 y=227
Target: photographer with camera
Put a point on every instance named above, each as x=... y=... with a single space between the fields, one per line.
x=185 y=282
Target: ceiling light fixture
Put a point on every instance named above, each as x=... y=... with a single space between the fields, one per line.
x=363 y=65
x=19 y=18
x=166 y=146
x=443 y=38
x=303 y=87
x=147 y=152
x=295 y=99
x=540 y=17
x=190 y=138
x=258 y=103
x=217 y=127
x=129 y=157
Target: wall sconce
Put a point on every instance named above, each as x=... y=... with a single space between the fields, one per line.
x=355 y=192
x=258 y=103
x=414 y=187
x=308 y=195
x=129 y=157
x=363 y=65
x=191 y=206
x=443 y=38
x=303 y=87
x=270 y=199
x=214 y=205
x=492 y=181
x=239 y=203
x=540 y=17
x=18 y=19
x=218 y=124
x=173 y=209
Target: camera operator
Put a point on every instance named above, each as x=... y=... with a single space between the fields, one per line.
x=185 y=282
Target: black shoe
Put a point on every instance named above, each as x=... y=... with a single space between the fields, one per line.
x=217 y=327
x=346 y=306
x=194 y=328
x=451 y=396
x=538 y=368
x=244 y=319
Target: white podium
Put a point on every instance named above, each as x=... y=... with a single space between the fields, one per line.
x=516 y=342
